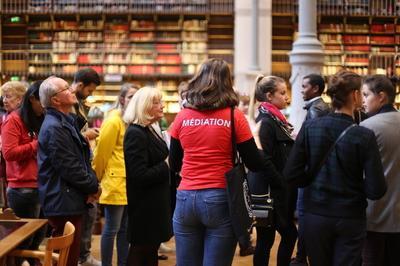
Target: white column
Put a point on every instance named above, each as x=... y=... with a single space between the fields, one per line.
x=254 y=40
x=306 y=57
x=245 y=48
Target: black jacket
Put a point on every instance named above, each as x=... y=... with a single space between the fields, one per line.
x=276 y=145
x=316 y=109
x=352 y=172
x=148 y=187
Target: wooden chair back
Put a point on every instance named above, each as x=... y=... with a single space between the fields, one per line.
x=60 y=244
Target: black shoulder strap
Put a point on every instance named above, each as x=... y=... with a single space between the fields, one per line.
x=233 y=137
x=332 y=147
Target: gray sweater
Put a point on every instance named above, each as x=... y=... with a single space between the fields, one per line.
x=383 y=215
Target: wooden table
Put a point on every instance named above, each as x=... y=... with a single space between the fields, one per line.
x=21 y=230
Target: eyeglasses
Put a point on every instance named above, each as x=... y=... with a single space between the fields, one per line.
x=68 y=88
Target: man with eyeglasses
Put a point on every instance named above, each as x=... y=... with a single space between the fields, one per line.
x=65 y=177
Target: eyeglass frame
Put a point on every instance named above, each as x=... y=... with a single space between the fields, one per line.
x=68 y=88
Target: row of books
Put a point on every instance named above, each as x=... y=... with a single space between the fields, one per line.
x=379 y=28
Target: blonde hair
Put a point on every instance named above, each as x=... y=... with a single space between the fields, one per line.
x=139 y=107
x=15 y=87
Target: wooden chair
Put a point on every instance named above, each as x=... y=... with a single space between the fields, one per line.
x=60 y=244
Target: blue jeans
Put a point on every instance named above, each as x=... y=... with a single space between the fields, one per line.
x=25 y=204
x=116 y=223
x=203 y=229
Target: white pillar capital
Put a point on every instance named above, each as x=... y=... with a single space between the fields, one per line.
x=306 y=57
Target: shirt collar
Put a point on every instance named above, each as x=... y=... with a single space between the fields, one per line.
x=308 y=103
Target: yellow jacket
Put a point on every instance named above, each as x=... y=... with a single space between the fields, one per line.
x=108 y=160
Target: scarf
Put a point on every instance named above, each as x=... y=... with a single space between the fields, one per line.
x=273 y=110
x=278 y=117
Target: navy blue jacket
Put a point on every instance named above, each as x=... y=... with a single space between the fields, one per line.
x=352 y=172
x=65 y=174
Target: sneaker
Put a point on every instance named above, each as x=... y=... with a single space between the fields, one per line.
x=298 y=262
x=246 y=251
x=90 y=261
x=165 y=249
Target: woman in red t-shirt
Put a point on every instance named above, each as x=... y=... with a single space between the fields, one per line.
x=201 y=150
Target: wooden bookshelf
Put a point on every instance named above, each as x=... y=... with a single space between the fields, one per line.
x=359 y=35
x=158 y=43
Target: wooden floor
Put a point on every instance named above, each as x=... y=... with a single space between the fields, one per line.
x=237 y=261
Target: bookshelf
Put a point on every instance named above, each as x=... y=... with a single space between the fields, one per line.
x=158 y=43
x=359 y=35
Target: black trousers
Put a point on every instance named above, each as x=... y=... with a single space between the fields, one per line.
x=381 y=249
x=333 y=241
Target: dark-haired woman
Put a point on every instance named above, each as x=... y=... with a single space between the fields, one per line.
x=382 y=243
x=276 y=142
x=337 y=180
x=19 y=146
x=201 y=151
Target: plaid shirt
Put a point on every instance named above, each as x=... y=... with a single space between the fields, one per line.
x=352 y=172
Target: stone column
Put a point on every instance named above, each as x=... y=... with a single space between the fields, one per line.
x=252 y=43
x=306 y=57
x=254 y=36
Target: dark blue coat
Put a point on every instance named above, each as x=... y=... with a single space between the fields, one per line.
x=65 y=175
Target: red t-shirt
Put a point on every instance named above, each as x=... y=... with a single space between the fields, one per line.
x=205 y=137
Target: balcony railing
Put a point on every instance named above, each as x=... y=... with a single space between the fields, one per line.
x=117 y=6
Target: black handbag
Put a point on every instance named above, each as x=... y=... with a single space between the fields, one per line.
x=245 y=210
x=262 y=208
x=237 y=192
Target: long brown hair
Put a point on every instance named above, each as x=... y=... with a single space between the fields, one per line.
x=211 y=88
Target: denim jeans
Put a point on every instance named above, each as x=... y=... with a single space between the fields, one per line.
x=25 y=204
x=203 y=229
x=88 y=219
x=116 y=223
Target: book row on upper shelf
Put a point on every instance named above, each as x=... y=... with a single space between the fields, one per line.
x=117 y=24
x=120 y=58
x=73 y=36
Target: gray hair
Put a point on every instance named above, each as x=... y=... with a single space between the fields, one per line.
x=46 y=91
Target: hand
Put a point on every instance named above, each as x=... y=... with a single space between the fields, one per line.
x=92 y=198
x=91 y=133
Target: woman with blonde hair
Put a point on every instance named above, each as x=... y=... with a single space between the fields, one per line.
x=109 y=165
x=19 y=139
x=147 y=178
x=12 y=93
